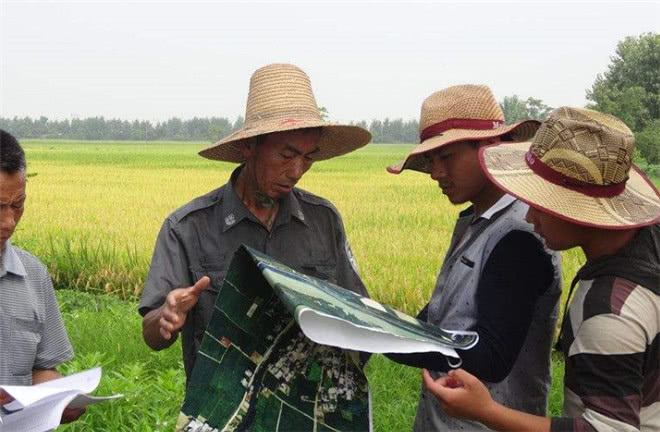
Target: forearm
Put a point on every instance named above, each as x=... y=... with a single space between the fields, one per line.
x=43 y=375
x=433 y=361
x=517 y=273
x=151 y=331
x=500 y=418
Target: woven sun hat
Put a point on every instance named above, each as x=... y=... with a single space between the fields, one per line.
x=281 y=99
x=460 y=113
x=579 y=168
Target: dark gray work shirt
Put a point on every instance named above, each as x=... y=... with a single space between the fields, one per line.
x=200 y=238
x=32 y=334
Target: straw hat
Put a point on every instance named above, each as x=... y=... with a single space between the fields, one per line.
x=281 y=99
x=459 y=113
x=579 y=168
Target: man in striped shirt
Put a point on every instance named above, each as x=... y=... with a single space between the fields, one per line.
x=578 y=178
x=33 y=340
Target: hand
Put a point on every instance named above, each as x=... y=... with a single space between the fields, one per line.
x=72 y=414
x=5 y=398
x=177 y=304
x=462 y=395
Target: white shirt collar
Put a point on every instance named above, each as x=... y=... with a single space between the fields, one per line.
x=11 y=263
x=499 y=205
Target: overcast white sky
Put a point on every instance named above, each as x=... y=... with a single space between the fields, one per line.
x=156 y=60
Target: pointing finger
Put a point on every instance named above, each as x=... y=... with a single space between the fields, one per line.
x=201 y=285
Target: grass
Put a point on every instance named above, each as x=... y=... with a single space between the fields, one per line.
x=93 y=213
x=106 y=331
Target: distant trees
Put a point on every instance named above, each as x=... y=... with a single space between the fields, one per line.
x=516 y=109
x=210 y=129
x=393 y=131
x=98 y=128
x=630 y=90
x=175 y=129
x=323 y=111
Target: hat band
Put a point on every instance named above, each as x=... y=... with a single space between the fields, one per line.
x=458 y=123
x=589 y=189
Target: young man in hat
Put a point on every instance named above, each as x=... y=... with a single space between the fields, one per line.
x=33 y=340
x=497 y=278
x=259 y=206
x=583 y=191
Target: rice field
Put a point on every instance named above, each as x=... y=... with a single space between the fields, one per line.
x=94 y=210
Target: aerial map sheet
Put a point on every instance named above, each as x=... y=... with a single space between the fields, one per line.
x=281 y=352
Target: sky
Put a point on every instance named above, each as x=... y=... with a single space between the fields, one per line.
x=153 y=60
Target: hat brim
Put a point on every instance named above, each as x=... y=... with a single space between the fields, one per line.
x=637 y=206
x=335 y=140
x=415 y=160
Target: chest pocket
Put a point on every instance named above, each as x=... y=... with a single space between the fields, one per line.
x=213 y=267
x=216 y=269
x=320 y=267
x=25 y=338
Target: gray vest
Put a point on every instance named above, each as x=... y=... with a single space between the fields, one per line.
x=453 y=306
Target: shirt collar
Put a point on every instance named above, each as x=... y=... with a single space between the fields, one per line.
x=290 y=207
x=11 y=263
x=500 y=205
x=234 y=211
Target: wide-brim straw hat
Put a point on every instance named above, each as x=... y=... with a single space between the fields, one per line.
x=281 y=99
x=460 y=113
x=579 y=168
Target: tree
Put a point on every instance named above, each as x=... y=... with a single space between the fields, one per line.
x=648 y=142
x=376 y=129
x=325 y=115
x=536 y=109
x=515 y=109
x=630 y=88
x=240 y=121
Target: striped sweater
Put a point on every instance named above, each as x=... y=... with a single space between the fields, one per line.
x=610 y=342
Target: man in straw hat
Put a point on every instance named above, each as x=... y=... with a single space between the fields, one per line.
x=583 y=190
x=259 y=206
x=497 y=278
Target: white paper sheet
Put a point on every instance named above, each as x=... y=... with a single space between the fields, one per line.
x=39 y=407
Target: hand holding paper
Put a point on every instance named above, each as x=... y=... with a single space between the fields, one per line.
x=43 y=406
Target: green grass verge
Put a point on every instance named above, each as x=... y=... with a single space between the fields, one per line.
x=106 y=331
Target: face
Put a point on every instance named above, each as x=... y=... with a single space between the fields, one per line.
x=557 y=233
x=12 y=201
x=456 y=169
x=281 y=160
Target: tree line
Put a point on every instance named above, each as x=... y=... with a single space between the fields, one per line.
x=215 y=128
x=629 y=89
x=100 y=128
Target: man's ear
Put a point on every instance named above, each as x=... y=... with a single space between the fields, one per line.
x=247 y=148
